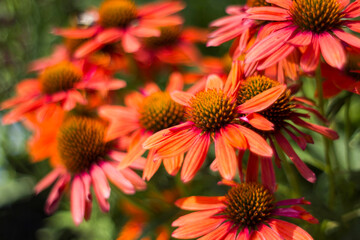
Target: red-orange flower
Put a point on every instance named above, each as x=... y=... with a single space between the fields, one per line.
x=83 y=159
x=63 y=84
x=213 y=114
x=284 y=114
x=122 y=20
x=248 y=211
x=315 y=26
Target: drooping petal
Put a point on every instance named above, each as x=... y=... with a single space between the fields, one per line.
x=137 y=181
x=234 y=136
x=252 y=169
x=86 y=179
x=301 y=38
x=48 y=180
x=117 y=178
x=327 y=132
x=52 y=202
x=349 y=38
x=226 y=158
x=130 y=43
x=268 y=173
x=173 y=165
x=288 y=230
x=218 y=233
x=197 y=230
x=195 y=157
x=176 y=82
x=269 y=233
x=99 y=179
x=310 y=59
x=332 y=50
x=258 y=121
x=110 y=35
x=353 y=10
x=300 y=165
x=282 y=3
x=77 y=200
x=76 y=33
x=151 y=166
x=87 y=48
x=268 y=13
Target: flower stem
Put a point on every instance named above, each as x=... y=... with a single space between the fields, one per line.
x=347 y=132
x=329 y=168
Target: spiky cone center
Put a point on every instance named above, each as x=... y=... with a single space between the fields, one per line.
x=159 y=111
x=211 y=110
x=316 y=15
x=169 y=36
x=279 y=111
x=249 y=204
x=257 y=3
x=60 y=77
x=81 y=143
x=117 y=13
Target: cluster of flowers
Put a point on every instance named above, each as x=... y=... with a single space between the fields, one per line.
x=245 y=105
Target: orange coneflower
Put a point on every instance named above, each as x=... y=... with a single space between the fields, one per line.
x=83 y=159
x=122 y=20
x=248 y=211
x=145 y=114
x=212 y=114
x=62 y=83
x=286 y=119
x=315 y=26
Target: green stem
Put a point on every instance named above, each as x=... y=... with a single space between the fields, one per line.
x=347 y=132
x=329 y=168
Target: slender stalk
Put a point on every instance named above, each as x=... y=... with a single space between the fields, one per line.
x=329 y=168
x=347 y=132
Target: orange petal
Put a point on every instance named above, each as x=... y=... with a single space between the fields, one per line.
x=226 y=158
x=258 y=121
x=176 y=82
x=182 y=98
x=195 y=217
x=200 y=203
x=234 y=136
x=197 y=230
x=262 y=100
x=214 y=82
x=257 y=144
x=151 y=166
x=172 y=165
x=195 y=157
x=288 y=230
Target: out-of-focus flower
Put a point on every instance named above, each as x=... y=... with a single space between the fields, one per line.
x=145 y=114
x=213 y=114
x=63 y=83
x=313 y=26
x=84 y=159
x=248 y=211
x=175 y=46
x=286 y=114
x=347 y=79
x=122 y=20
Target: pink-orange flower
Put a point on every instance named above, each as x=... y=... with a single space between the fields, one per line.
x=122 y=20
x=63 y=83
x=213 y=114
x=314 y=26
x=83 y=159
x=286 y=113
x=145 y=114
x=248 y=211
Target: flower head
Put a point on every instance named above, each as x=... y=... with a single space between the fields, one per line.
x=212 y=114
x=123 y=21
x=284 y=114
x=59 y=84
x=248 y=211
x=315 y=26
x=82 y=160
x=146 y=113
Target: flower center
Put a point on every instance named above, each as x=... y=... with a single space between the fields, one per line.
x=211 y=110
x=249 y=204
x=281 y=108
x=159 y=111
x=117 y=13
x=169 y=36
x=257 y=3
x=81 y=143
x=60 y=77
x=316 y=15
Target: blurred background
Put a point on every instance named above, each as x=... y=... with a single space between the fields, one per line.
x=25 y=35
